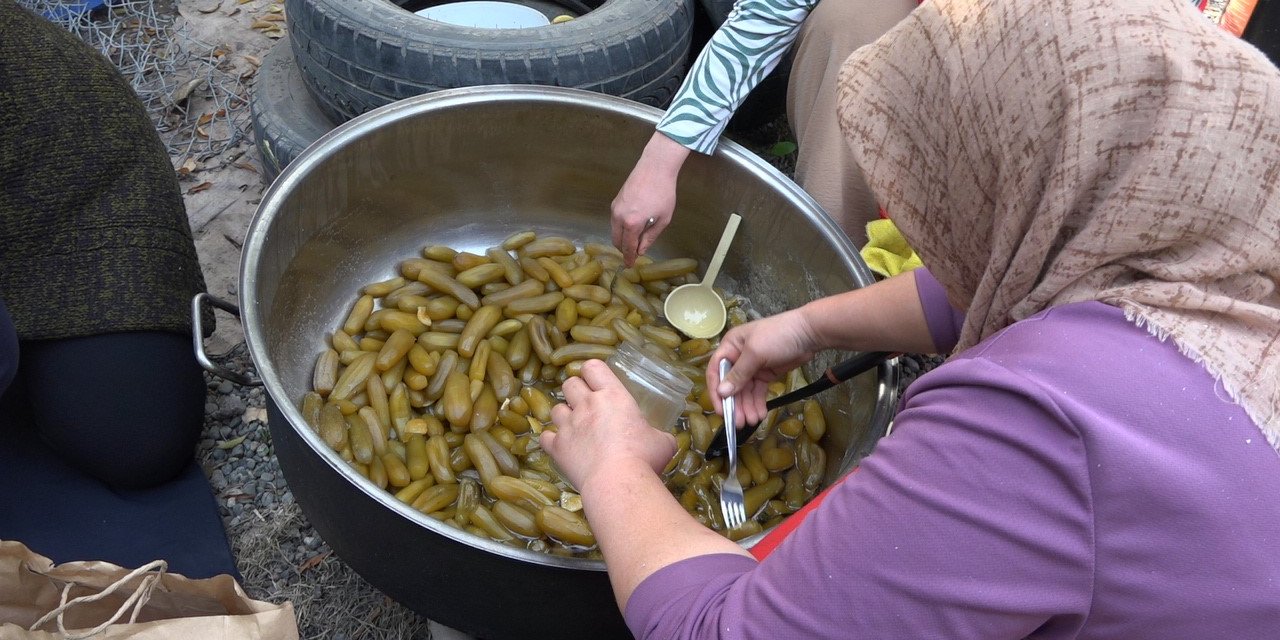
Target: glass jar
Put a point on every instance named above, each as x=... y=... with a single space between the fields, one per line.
x=658 y=388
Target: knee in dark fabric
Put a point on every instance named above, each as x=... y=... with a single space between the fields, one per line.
x=123 y=453
x=126 y=408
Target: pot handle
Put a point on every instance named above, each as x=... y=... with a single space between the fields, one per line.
x=248 y=379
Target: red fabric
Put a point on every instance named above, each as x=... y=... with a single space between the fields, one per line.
x=780 y=532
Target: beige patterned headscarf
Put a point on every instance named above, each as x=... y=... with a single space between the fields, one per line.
x=1127 y=151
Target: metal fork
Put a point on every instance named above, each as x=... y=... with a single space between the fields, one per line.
x=732 y=503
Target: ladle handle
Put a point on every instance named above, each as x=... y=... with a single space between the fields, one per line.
x=726 y=239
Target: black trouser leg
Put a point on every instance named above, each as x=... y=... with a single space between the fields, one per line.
x=8 y=349
x=126 y=408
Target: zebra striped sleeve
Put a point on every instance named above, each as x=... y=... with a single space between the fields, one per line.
x=739 y=55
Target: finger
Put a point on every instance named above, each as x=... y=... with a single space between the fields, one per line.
x=742 y=406
x=744 y=368
x=575 y=391
x=628 y=241
x=650 y=236
x=548 y=441
x=725 y=350
x=623 y=232
x=745 y=400
x=560 y=415
x=616 y=227
x=597 y=375
x=755 y=402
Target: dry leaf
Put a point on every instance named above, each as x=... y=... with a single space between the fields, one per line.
x=262 y=24
x=253 y=60
x=313 y=561
x=243 y=1
x=209 y=7
x=275 y=8
x=202 y=132
x=246 y=166
x=254 y=413
x=248 y=74
x=229 y=444
x=221 y=113
x=274 y=34
x=272 y=17
x=182 y=93
x=233 y=11
x=203 y=186
x=205 y=118
x=188 y=166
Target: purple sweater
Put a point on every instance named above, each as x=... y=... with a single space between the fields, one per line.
x=1069 y=477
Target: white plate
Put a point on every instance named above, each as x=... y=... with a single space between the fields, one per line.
x=486 y=14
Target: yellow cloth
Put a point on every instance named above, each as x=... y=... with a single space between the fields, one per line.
x=887 y=252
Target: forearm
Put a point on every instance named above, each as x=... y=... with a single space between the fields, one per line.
x=641 y=528
x=886 y=316
x=663 y=157
x=738 y=56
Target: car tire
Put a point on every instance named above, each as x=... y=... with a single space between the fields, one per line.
x=286 y=120
x=357 y=55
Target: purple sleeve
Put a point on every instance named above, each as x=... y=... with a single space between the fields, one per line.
x=972 y=520
x=944 y=320
x=676 y=589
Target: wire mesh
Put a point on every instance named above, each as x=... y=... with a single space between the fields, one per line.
x=197 y=100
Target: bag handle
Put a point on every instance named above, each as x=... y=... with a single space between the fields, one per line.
x=136 y=600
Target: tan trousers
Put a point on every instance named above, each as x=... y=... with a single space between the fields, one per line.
x=824 y=165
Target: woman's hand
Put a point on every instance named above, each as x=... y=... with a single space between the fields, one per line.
x=600 y=425
x=761 y=352
x=649 y=192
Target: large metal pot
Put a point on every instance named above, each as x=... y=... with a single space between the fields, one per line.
x=466 y=168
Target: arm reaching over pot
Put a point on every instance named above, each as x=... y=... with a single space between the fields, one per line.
x=607 y=450
x=886 y=316
x=749 y=44
x=754 y=40
x=648 y=194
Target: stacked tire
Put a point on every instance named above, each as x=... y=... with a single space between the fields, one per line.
x=286 y=120
x=346 y=57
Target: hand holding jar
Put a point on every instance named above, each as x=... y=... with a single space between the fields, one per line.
x=600 y=424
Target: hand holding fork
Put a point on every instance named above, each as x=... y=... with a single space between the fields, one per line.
x=732 y=502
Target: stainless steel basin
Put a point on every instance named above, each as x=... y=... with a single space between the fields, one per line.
x=466 y=168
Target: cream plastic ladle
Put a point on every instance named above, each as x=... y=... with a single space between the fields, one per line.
x=696 y=309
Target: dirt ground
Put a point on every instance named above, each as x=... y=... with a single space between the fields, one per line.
x=221 y=212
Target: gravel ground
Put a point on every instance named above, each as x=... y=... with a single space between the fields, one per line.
x=279 y=554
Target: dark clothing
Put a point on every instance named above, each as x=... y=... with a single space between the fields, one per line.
x=66 y=515
x=103 y=469
x=138 y=403
x=8 y=349
x=93 y=233
x=97 y=266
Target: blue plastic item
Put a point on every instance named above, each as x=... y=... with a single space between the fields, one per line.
x=72 y=9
